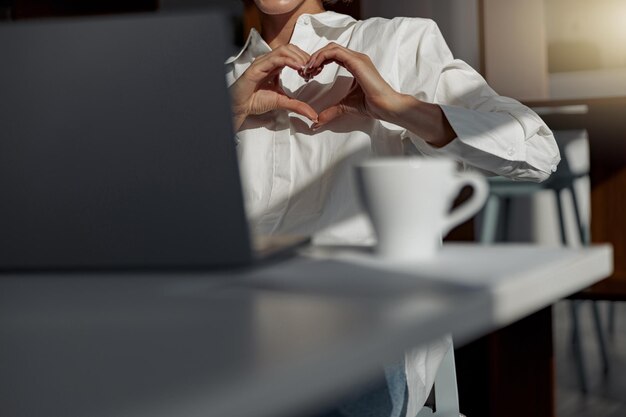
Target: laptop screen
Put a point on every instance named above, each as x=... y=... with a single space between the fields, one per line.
x=116 y=145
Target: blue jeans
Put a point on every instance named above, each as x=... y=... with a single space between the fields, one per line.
x=385 y=400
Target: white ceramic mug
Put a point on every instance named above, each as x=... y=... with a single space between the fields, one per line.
x=409 y=201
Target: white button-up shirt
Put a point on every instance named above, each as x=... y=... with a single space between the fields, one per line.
x=300 y=181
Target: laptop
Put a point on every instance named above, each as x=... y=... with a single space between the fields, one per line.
x=116 y=146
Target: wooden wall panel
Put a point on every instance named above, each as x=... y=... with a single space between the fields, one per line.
x=607 y=137
x=510 y=372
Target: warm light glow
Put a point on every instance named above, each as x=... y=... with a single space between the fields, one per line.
x=586 y=48
x=586 y=35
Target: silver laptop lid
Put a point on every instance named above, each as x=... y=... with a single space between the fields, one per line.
x=116 y=147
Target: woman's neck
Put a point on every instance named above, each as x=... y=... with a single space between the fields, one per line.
x=277 y=29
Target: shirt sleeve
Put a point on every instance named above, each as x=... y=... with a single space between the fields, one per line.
x=494 y=133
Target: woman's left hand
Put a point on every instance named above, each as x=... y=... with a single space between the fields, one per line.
x=370 y=96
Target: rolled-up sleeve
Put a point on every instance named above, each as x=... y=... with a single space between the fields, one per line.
x=494 y=133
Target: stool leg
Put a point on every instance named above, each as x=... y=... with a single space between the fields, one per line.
x=600 y=336
x=576 y=345
x=597 y=321
x=446 y=393
x=611 y=324
x=490 y=220
x=505 y=234
x=574 y=307
x=582 y=230
x=559 y=205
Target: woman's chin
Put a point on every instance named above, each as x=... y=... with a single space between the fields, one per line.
x=277 y=7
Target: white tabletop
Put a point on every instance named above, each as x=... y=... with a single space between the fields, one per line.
x=260 y=342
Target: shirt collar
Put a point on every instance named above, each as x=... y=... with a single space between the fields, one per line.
x=254 y=44
x=331 y=19
x=257 y=46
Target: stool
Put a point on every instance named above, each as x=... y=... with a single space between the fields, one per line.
x=501 y=192
x=444 y=400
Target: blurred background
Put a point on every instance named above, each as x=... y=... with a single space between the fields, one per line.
x=531 y=50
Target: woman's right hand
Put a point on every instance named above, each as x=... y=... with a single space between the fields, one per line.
x=257 y=91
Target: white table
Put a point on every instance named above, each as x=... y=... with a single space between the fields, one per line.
x=263 y=342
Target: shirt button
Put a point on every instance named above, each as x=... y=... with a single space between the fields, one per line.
x=511 y=152
x=305 y=20
x=553 y=168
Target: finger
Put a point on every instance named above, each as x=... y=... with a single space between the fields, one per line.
x=330 y=45
x=308 y=76
x=360 y=66
x=329 y=114
x=289 y=51
x=342 y=56
x=268 y=66
x=308 y=69
x=296 y=53
x=302 y=54
x=294 y=50
x=322 y=54
x=317 y=71
x=285 y=50
x=297 y=106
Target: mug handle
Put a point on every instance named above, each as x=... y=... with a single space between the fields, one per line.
x=471 y=206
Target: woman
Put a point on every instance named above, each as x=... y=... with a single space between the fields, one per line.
x=317 y=92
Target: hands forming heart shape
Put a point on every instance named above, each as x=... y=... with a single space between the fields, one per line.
x=258 y=91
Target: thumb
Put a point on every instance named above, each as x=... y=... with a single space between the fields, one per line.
x=330 y=114
x=353 y=103
x=297 y=106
